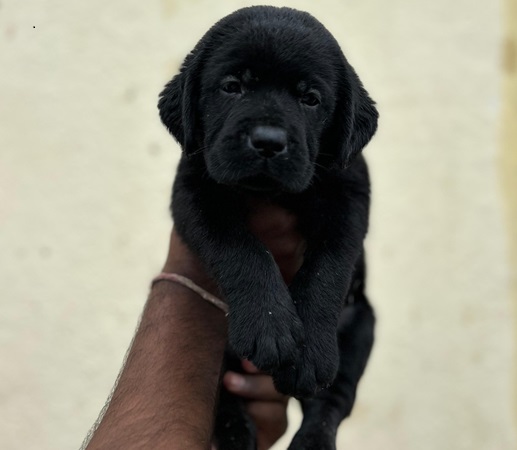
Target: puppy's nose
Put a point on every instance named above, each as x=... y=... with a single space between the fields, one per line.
x=268 y=141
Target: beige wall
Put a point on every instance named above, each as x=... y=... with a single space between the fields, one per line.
x=85 y=173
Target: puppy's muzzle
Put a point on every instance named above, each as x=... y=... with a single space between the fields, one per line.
x=268 y=141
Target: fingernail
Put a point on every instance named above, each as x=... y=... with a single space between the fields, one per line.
x=248 y=366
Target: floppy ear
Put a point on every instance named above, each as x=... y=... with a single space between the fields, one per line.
x=355 y=119
x=178 y=105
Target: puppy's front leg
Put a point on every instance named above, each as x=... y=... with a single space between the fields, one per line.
x=263 y=323
x=334 y=219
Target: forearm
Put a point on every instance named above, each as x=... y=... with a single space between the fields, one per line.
x=165 y=397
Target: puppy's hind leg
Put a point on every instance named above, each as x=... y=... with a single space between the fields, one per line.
x=234 y=429
x=323 y=413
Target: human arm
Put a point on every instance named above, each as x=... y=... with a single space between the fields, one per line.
x=165 y=395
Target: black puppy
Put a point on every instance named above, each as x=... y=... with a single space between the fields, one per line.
x=266 y=105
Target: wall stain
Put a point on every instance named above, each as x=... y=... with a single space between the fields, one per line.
x=10 y=32
x=169 y=7
x=509 y=55
x=45 y=252
x=154 y=149
x=130 y=94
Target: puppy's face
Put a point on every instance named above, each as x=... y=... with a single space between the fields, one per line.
x=263 y=116
x=267 y=97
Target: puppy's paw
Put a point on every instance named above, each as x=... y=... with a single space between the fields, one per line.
x=315 y=371
x=270 y=338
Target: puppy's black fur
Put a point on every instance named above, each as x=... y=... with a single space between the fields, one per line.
x=266 y=105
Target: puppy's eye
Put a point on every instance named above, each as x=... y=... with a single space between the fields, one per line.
x=232 y=87
x=310 y=98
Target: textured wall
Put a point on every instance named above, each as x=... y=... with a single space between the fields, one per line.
x=85 y=174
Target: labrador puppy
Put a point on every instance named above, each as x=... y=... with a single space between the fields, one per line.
x=267 y=106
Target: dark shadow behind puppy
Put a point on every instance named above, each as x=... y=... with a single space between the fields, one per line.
x=266 y=105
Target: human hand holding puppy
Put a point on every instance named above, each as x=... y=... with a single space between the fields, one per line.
x=276 y=228
x=165 y=396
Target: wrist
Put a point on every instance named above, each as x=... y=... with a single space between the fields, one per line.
x=182 y=261
x=167 y=389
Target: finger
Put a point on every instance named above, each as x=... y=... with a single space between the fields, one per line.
x=266 y=414
x=256 y=387
x=249 y=367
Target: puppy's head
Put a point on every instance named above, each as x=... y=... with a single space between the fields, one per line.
x=266 y=97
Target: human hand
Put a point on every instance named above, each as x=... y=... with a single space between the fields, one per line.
x=272 y=224
x=276 y=228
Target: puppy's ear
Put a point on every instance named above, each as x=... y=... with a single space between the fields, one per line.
x=178 y=105
x=364 y=121
x=355 y=119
